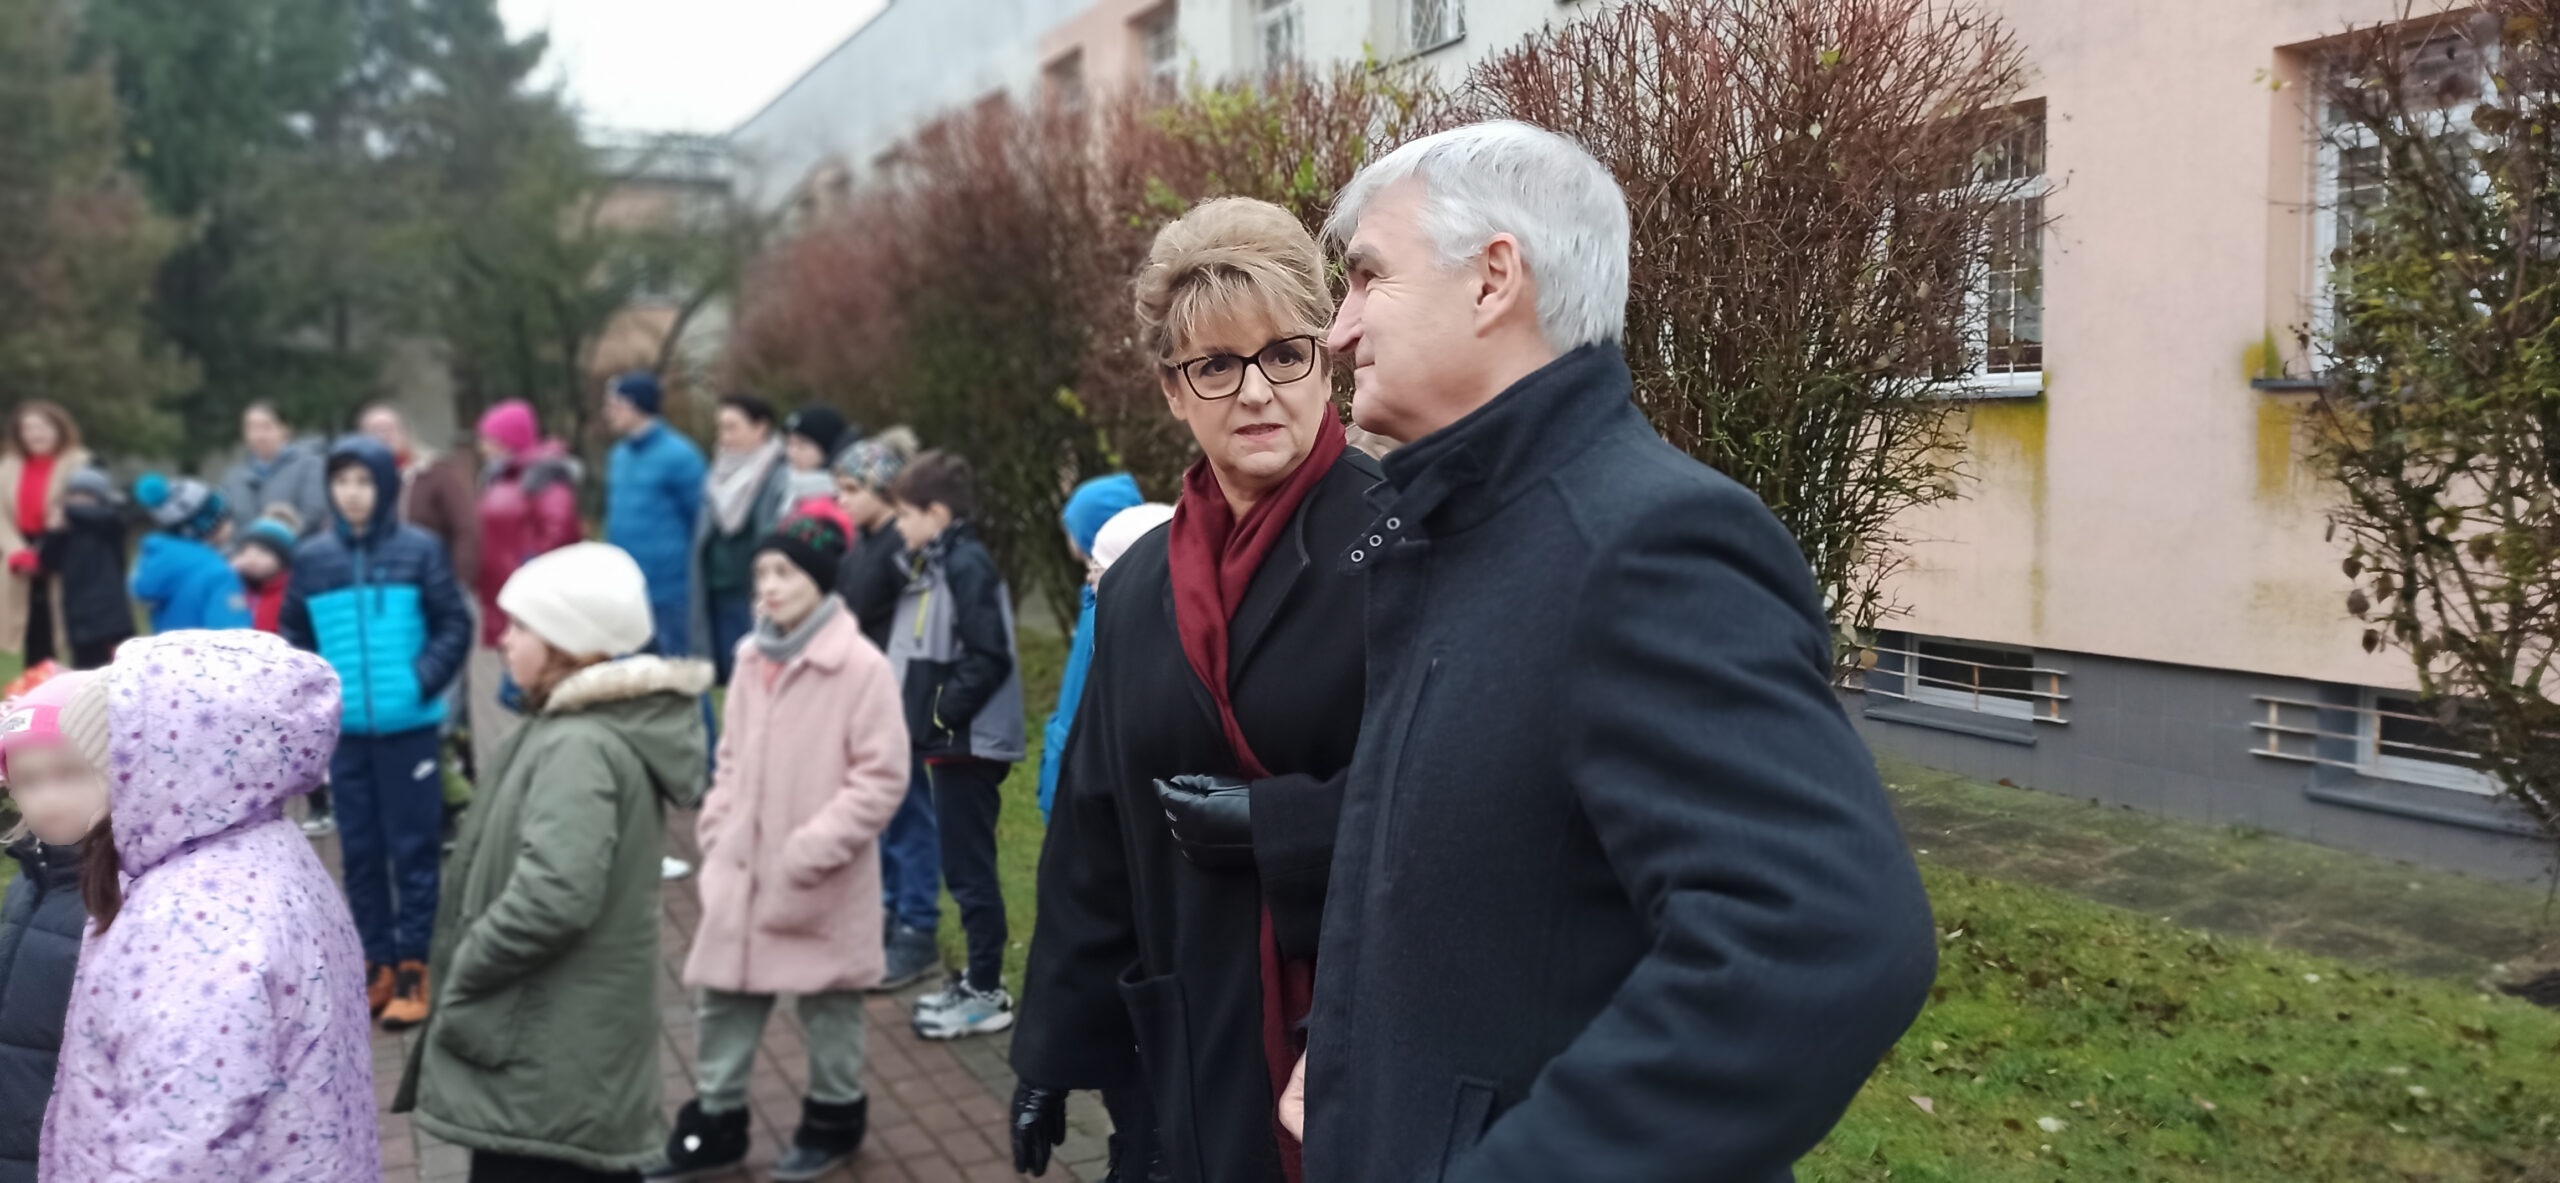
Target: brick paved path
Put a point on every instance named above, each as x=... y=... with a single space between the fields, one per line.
x=937 y=1114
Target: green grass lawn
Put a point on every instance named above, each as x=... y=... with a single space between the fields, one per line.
x=2071 y=1039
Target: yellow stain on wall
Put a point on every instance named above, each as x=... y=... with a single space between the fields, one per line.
x=2007 y=438
x=2279 y=448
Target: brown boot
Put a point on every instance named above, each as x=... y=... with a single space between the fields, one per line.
x=379 y=985
x=409 y=1003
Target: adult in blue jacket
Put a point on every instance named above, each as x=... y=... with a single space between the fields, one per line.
x=1616 y=893
x=378 y=600
x=1093 y=503
x=653 y=492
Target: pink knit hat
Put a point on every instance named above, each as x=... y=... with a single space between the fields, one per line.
x=511 y=425
x=57 y=712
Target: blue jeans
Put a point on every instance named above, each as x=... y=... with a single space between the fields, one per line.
x=674 y=621
x=911 y=858
x=389 y=796
x=732 y=618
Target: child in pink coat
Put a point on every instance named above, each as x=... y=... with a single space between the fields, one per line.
x=813 y=763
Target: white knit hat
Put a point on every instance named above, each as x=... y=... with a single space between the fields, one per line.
x=587 y=599
x=1125 y=528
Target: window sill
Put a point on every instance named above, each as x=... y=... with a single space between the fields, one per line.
x=1436 y=46
x=1985 y=387
x=2001 y=729
x=2444 y=806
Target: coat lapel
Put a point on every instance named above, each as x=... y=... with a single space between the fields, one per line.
x=1267 y=594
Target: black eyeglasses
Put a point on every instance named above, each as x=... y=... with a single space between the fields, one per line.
x=1221 y=375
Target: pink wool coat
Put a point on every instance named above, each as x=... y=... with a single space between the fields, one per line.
x=813 y=763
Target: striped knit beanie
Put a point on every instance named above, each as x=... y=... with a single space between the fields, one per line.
x=67 y=709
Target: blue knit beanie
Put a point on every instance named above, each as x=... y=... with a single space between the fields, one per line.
x=640 y=389
x=1095 y=502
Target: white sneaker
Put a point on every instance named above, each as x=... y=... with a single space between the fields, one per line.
x=671 y=869
x=320 y=825
x=970 y=1012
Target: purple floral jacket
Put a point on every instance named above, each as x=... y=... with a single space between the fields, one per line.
x=219 y=1029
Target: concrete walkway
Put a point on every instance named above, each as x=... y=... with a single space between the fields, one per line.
x=937 y=1110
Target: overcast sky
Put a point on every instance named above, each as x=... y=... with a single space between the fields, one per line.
x=682 y=65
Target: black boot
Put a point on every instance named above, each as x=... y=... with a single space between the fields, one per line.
x=703 y=1144
x=827 y=1138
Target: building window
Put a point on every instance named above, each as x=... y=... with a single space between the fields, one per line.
x=1063 y=81
x=2398 y=738
x=1976 y=676
x=1434 y=24
x=2005 y=330
x=2383 y=734
x=1160 y=47
x=1277 y=33
x=2448 y=76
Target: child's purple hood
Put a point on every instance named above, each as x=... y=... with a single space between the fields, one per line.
x=209 y=732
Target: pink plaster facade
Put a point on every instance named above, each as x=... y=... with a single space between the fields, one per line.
x=2151 y=504
x=1108 y=39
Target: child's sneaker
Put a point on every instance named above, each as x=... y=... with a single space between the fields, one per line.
x=320 y=824
x=964 y=1011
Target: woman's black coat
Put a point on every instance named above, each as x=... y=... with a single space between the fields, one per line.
x=1140 y=958
x=39 y=951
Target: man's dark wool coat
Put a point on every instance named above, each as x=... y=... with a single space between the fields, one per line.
x=1140 y=957
x=1617 y=895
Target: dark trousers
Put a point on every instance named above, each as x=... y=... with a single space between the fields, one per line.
x=389 y=796
x=39 y=638
x=966 y=795
x=911 y=858
x=489 y=1166
x=95 y=655
x=732 y=618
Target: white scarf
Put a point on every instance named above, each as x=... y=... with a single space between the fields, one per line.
x=736 y=478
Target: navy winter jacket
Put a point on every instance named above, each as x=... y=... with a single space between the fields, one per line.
x=379 y=601
x=39 y=951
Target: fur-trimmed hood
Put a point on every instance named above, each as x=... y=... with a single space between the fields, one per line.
x=626 y=679
x=652 y=704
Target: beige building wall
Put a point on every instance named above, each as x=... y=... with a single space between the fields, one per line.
x=2152 y=504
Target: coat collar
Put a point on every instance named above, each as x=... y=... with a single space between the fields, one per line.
x=1507 y=444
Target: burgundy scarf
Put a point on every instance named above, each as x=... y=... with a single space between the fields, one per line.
x=1214 y=558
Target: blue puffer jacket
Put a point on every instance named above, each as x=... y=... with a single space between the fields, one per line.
x=186 y=584
x=653 y=490
x=378 y=600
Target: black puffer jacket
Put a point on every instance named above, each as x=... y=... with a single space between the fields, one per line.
x=39 y=948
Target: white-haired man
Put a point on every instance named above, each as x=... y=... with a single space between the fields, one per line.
x=1617 y=894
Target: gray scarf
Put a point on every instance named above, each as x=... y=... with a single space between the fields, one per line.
x=780 y=647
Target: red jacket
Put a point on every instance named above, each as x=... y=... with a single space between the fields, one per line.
x=530 y=508
x=266 y=603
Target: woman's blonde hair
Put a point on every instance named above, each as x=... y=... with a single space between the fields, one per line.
x=1227 y=257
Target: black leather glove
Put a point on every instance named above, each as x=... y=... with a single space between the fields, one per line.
x=1039 y=1124
x=1212 y=820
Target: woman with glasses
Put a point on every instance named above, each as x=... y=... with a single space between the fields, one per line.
x=1192 y=834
